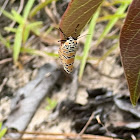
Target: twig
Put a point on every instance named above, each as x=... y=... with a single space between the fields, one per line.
x=85 y=127
x=100 y=122
x=5 y=60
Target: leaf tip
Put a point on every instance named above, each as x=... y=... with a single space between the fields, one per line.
x=134 y=105
x=134 y=101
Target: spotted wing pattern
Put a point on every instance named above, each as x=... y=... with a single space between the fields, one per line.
x=67 y=53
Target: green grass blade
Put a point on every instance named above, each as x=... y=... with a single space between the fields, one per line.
x=26 y=33
x=44 y=53
x=77 y=57
x=5 y=42
x=34 y=27
x=38 y=52
x=49 y=30
x=18 y=17
x=28 y=8
x=17 y=43
x=10 y=29
x=39 y=7
x=88 y=42
x=51 y=104
x=2 y=132
x=7 y=14
x=111 y=23
x=112 y=37
x=108 y=53
x=0 y=125
x=122 y=1
x=109 y=17
x=35 y=24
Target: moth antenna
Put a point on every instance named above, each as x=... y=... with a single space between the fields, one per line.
x=76 y=30
x=61 y=40
x=62 y=32
x=83 y=36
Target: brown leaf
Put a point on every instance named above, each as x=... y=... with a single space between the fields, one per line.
x=130 y=50
x=79 y=12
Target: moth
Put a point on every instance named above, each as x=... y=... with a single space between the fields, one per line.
x=67 y=51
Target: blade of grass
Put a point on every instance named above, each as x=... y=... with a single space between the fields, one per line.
x=111 y=23
x=7 y=14
x=10 y=29
x=2 y=132
x=108 y=17
x=17 y=43
x=43 y=53
x=121 y=1
x=39 y=7
x=0 y=125
x=49 y=30
x=18 y=17
x=34 y=27
x=77 y=57
x=38 y=52
x=28 y=8
x=3 y=6
x=88 y=42
x=112 y=37
x=114 y=2
x=5 y=42
x=108 y=53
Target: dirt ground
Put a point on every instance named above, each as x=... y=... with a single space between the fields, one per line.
x=101 y=95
